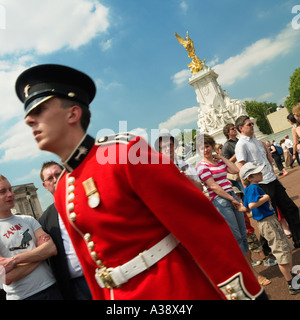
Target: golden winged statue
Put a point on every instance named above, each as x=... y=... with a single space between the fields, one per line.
x=196 y=65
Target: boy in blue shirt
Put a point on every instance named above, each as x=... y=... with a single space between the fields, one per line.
x=256 y=200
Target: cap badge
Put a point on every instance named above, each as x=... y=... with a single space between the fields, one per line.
x=71 y=94
x=91 y=192
x=26 y=89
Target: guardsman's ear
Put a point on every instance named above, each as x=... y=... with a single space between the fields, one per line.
x=75 y=114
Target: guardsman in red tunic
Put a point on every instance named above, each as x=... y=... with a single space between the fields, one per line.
x=140 y=228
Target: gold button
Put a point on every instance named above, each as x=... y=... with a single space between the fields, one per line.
x=229 y=289
x=94 y=255
x=71 y=180
x=87 y=237
x=71 y=197
x=70 y=207
x=91 y=245
x=234 y=296
x=73 y=216
x=99 y=263
x=71 y=189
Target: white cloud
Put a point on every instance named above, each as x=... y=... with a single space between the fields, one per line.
x=265 y=96
x=140 y=132
x=262 y=51
x=184 y=6
x=47 y=26
x=107 y=86
x=10 y=105
x=181 y=77
x=106 y=45
x=181 y=119
x=18 y=143
x=213 y=62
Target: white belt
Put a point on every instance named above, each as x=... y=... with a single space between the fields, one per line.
x=114 y=277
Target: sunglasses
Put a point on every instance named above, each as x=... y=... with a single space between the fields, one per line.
x=249 y=124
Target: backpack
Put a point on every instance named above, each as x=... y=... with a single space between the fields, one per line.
x=279 y=150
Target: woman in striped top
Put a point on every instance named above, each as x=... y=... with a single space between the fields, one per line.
x=213 y=171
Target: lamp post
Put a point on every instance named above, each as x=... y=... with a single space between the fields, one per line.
x=28 y=196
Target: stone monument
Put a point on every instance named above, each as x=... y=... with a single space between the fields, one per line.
x=26 y=200
x=216 y=107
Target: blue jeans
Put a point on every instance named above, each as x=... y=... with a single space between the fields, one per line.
x=235 y=220
x=238 y=184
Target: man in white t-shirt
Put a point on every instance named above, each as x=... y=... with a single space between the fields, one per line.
x=24 y=247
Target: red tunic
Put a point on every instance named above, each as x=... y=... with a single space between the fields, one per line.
x=140 y=204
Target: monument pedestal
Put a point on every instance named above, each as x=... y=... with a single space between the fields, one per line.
x=216 y=107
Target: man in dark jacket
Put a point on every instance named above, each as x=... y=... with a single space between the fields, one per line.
x=65 y=264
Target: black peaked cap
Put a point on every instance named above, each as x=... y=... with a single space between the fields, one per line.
x=40 y=83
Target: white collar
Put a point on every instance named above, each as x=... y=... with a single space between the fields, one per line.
x=245 y=137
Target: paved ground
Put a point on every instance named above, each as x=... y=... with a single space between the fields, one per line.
x=277 y=290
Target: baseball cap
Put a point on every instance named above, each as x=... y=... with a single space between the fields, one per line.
x=250 y=168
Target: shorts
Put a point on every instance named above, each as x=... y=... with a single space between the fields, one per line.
x=254 y=243
x=271 y=230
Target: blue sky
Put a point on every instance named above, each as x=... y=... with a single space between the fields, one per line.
x=129 y=48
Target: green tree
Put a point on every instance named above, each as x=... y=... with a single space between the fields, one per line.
x=294 y=90
x=259 y=111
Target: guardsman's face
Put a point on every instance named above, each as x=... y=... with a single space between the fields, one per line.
x=48 y=122
x=7 y=198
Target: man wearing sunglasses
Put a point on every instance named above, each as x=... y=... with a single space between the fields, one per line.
x=249 y=149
